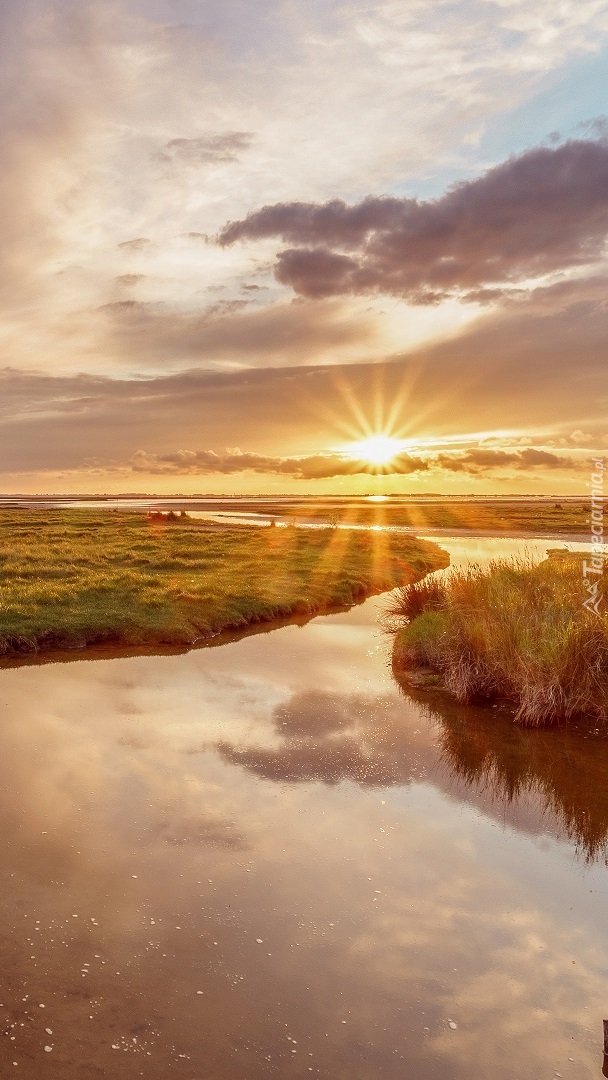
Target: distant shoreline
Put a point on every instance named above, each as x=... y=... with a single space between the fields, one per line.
x=24 y=500
x=508 y=534
x=516 y=517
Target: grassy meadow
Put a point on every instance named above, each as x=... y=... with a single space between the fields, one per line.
x=511 y=631
x=70 y=578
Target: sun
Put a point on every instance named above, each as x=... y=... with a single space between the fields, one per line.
x=377 y=449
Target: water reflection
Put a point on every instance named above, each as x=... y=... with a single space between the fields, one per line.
x=511 y=766
x=530 y=779
x=334 y=737
x=264 y=861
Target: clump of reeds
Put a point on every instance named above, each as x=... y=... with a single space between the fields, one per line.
x=510 y=630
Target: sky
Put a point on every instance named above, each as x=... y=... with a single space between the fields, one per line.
x=243 y=239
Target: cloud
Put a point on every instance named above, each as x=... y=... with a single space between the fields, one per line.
x=92 y=92
x=537 y=369
x=207 y=149
x=59 y=77
x=321 y=466
x=484 y=460
x=140 y=243
x=295 y=331
x=543 y=211
x=308 y=467
x=129 y=279
x=597 y=128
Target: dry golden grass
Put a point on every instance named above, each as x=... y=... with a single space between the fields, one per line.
x=514 y=631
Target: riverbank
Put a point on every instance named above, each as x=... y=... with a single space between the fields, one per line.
x=72 y=578
x=512 y=631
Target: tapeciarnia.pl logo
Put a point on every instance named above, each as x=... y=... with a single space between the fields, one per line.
x=593 y=570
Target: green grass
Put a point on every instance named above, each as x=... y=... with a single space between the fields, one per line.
x=514 y=631
x=70 y=578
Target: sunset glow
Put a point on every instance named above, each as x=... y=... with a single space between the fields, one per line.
x=377 y=449
x=259 y=272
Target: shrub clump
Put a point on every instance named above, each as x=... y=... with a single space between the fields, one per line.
x=513 y=630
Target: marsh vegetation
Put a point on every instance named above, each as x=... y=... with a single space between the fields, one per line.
x=514 y=631
x=70 y=578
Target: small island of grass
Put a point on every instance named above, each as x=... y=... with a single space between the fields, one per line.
x=512 y=631
x=72 y=578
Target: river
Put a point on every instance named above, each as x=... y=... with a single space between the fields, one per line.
x=266 y=860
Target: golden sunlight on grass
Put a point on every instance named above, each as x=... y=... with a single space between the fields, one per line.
x=69 y=578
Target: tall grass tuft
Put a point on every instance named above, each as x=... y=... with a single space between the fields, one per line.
x=512 y=630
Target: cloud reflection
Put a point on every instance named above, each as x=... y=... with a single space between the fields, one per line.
x=529 y=779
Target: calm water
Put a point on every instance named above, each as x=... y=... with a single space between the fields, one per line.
x=264 y=860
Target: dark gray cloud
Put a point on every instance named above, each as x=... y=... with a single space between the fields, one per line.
x=543 y=211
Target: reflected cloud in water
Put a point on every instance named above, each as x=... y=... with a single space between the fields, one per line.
x=240 y=852
x=530 y=779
